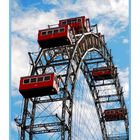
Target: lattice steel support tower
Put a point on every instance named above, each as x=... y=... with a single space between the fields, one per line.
x=88 y=51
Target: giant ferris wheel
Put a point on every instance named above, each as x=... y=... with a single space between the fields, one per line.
x=73 y=91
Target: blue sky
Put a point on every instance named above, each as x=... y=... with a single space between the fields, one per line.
x=27 y=17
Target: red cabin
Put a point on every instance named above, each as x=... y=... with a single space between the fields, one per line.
x=104 y=73
x=53 y=37
x=115 y=114
x=39 y=85
x=79 y=24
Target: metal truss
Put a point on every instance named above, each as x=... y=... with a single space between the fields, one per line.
x=87 y=52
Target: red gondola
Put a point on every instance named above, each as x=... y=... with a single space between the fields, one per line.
x=79 y=24
x=53 y=37
x=115 y=114
x=39 y=85
x=104 y=73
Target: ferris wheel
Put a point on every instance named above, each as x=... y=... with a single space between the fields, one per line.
x=73 y=91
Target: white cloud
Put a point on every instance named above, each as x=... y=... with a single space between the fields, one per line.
x=20 y=60
x=113 y=15
x=108 y=31
x=124 y=80
x=29 y=22
x=54 y=2
x=112 y=11
x=112 y=20
x=125 y=41
x=14 y=126
x=19 y=102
